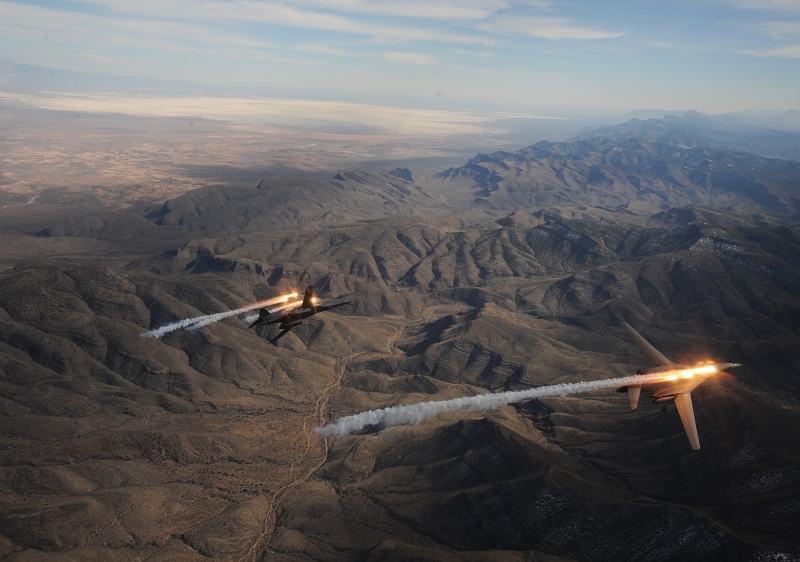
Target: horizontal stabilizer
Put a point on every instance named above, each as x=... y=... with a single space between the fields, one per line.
x=684 y=404
x=651 y=352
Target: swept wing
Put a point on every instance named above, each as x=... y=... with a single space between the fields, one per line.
x=678 y=383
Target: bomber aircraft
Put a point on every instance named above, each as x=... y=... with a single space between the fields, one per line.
x=293 y=317
x=677 y=383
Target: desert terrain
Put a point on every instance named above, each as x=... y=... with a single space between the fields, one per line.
x=507 y=269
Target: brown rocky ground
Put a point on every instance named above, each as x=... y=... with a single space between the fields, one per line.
x=201 y=446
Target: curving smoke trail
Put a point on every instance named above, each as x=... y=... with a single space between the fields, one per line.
x=415 y=413
x=253 y=317
x=200 y=321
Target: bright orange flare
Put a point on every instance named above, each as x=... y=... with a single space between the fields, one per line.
x=689 y=373
x=286 y=305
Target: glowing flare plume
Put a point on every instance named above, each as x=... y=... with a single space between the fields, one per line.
x=200 y=321
x=415 y=413
x=253 y=317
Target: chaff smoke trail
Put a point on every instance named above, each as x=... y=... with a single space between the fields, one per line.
x=253 y=317
x=415 y=413
x=200 y=321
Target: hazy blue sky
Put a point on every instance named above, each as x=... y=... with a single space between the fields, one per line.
x=712 y=55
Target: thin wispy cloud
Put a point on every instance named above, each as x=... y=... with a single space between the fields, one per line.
x=322 y=49
x=766 y=5
x=90 y=29
x=546 y=28
x=791 y=52
x=777 y=29
x=539 y=53
x=482 y=54
x=250 y=12
x=418 y=9
x=413 y=58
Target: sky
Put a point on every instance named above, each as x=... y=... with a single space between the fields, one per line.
x=534 y=56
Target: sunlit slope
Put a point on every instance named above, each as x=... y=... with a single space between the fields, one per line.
x=282 y=202
x=277 y=203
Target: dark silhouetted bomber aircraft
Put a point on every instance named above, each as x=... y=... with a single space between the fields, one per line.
x=293 y=317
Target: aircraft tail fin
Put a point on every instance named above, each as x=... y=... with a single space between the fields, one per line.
x=651 y=352
x=684 y=404
x=259 y=318
x=308 y=298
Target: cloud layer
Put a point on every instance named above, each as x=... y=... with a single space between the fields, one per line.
x=509 y=53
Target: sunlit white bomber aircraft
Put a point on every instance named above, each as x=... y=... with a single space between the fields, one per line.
x=677 y=383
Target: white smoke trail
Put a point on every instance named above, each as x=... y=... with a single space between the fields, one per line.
x=253 y=317
x=415 y=413
x=217 y=317
x=200 y=321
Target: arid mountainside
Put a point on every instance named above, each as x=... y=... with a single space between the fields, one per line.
x=629 y=175
x=629 y=180
x=200 y=445
x=511 y=272
x=276 y=203
x=282 y=202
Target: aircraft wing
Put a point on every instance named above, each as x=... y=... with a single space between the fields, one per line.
x=333 y=303
x=684 y=404
x=651 y=352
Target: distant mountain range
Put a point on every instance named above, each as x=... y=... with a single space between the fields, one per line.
x=629 y=175
x=633 y=179
x=770 y=134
